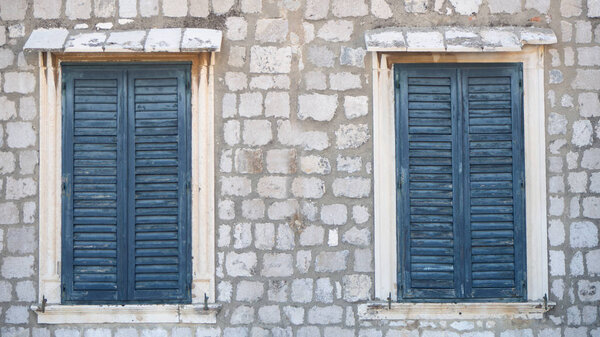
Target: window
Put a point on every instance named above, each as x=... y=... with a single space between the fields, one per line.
x=200 y=259
x=460 y=167
x=126 y=175
x=389 y=287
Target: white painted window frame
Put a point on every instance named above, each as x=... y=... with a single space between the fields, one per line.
x=384 y=162
x=50 y=221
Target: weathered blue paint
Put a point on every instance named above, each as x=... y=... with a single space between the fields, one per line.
x=126 y=169
x=459 y=146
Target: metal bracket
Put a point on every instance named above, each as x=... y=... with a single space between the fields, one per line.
x=42 y=307
x=389 y=299
x=545 y=301
x=205 y=302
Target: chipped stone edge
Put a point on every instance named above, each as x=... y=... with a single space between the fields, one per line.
x=394 y=39
x=100 y=314
x=452 y=311
x=59 y=38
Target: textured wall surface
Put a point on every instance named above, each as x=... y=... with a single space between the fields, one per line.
x=294 y=198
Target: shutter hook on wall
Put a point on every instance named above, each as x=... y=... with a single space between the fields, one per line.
x=205 y=302
x=42 y=307
x=389 y=299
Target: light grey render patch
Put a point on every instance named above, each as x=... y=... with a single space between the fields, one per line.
x=128 y=41
x=195 y=39
x=52 y=39
x=163 y=40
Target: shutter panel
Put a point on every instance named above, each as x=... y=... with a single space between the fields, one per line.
x=461 y=182
x=494 y=177
x=91 y=203
x=158 y=184
x=426 y=127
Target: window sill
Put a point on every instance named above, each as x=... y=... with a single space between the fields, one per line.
x=402 y=311
x=95 y=314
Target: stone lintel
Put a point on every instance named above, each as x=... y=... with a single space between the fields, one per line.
x=152 y=40
x=456 y=39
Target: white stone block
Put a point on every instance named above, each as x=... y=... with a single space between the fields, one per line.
x=466 y=7
x=175 y=8
x=316 y=106
x=499 y=40
x=271 y=30
x=315 y=165
x=344 y=81
x=583 y=234
x=127 y=8
x=349 y=8
x=381 y=9
x=13 y=9
x=351 y=136
x=277 y=265
x=270 y=59
x=51 y=39
x=277 y=104
x=163 y=40
x=281 y=210
x=235 y=186
x=321 y=56
x=302 y=290
x=335 y=214
x=257 y=132
x=237 y=28
x=264 y=234
x=356 y=106
x=104 y=8
x=316 y=9
x=128 y=41
x=195 y=39
x=251 y=104
x=504 y=6
x=199 y=8
x=19 y=82
x=249 y=291
x=242 y=264
x=221 y=7
x=308 y=188
x=17 y=267
x=336 y=31
x=325 y=315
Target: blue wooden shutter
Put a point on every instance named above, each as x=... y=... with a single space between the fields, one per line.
x=494 y=182
x=461 y=222
x=159 y=184
x=426 y=147
x=126 y=174
x=92 y=179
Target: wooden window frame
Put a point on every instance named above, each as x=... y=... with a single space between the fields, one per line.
x=532 y=58
x=202 y=196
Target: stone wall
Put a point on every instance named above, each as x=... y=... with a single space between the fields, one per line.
x=294 y=177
